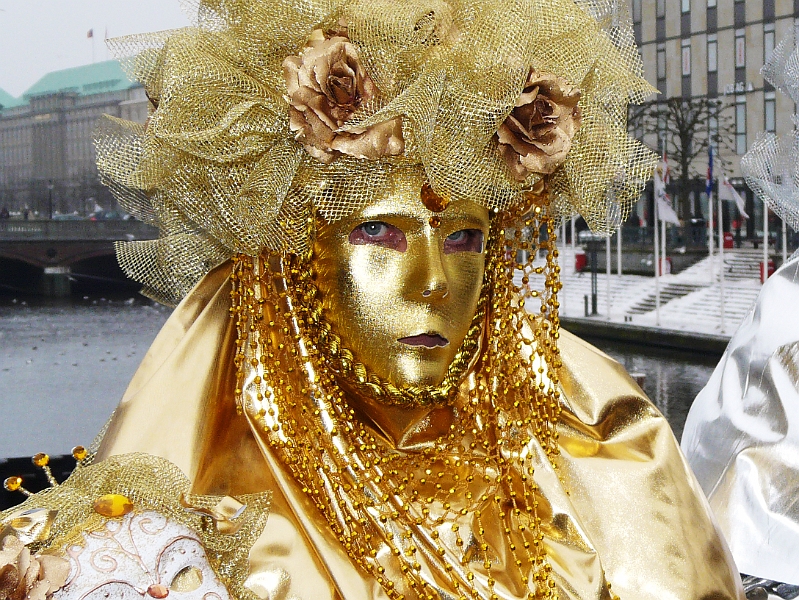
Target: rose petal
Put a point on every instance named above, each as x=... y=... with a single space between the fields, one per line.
x=38 y=591
x=527 y=96
x=10 y=550
x=9 y=580
x=55 y=571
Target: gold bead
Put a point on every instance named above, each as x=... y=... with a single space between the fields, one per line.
x=12 y=484
x=113 y=505
x=79 y=453
x=41 y=459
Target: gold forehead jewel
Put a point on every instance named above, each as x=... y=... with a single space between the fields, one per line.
x=432 y=200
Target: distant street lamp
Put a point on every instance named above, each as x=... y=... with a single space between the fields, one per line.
x=50 y=187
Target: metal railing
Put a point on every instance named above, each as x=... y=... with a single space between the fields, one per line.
x=111 y=230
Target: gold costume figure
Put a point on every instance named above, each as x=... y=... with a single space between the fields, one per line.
x=358 y=205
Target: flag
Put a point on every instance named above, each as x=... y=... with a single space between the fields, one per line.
x=709 y=180
x=666 y=212
x=729 y=193
x=90 y=34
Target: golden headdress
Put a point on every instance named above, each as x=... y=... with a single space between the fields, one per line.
x=239 y=156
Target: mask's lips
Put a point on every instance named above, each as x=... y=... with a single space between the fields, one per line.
x=428 y=340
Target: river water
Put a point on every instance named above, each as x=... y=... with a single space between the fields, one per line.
x=65 y=364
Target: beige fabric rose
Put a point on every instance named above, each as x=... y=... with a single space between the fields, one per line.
x=29 y=577
x=326 y=84
x=537 y=134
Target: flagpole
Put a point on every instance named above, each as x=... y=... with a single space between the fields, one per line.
x=721 y=260
x=784 y=242
x=709 y=191
x=665 y=174
x=574 y=241
x=562 y=297
x=607 y=273
x=765 y=243
x=657 y=261
x=663 y=241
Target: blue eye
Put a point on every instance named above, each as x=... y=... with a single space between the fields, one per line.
x=378 y=233
x=373 y=228
x=465 y=240
x=458 y=236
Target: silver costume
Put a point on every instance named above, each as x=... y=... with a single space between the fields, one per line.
x=742 y=433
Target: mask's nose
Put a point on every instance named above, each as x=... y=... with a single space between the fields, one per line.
x=433 y=283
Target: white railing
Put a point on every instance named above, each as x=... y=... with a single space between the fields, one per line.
x=15 y=230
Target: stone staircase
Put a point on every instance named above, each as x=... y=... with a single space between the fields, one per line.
x=669 y=292
x=739 y=264
x=743 y=263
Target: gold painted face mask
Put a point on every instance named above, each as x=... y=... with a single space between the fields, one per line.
x=400 y=283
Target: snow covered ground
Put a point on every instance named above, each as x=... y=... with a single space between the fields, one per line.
x=689 y=301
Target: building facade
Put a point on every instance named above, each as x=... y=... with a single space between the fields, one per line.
x=47 y=160
x=715 y=49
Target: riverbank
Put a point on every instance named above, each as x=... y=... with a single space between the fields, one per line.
x=597 y=328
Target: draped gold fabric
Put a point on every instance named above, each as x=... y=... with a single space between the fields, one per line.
x=621 y=507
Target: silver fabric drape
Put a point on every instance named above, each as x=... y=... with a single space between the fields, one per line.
x=742 y=434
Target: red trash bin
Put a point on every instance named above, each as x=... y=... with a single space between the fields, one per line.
x=580 y=261
x=770 y=270
x=728 y=240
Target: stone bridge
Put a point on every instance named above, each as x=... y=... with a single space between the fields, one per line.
x=54 y=246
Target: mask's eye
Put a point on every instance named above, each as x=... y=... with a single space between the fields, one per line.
x=465 y=240
x=378 y=233
x=188 y=579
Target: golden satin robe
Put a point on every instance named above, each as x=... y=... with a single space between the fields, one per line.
x=622 y=505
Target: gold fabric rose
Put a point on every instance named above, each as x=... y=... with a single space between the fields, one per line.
x=537 y=134
x=29 y=577
x=326 y=84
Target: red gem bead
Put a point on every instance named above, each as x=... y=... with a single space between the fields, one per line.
x=158 y=590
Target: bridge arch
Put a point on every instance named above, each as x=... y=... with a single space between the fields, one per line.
x=53 y=248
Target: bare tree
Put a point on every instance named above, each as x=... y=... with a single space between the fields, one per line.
x=686 y=126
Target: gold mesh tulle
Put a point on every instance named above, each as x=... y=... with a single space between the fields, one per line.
x=218 y=162
x=771 y=166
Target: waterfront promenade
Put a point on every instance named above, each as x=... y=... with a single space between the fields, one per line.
x=690 y=305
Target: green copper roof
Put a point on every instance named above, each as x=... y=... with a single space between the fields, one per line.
x=7 y=100
x=97 y=78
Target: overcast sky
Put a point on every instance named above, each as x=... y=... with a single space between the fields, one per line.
x=39 y=36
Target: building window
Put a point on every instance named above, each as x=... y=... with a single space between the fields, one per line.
x=770 y=112
x=712 y=54
x=740 y=125
x=768 y=10
x=661 y=66
x=637 y=11
x=740 y=48
x=686 y=6
x=661 y=8
x=711 y=3
x=686 y=57
x=768 y=41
